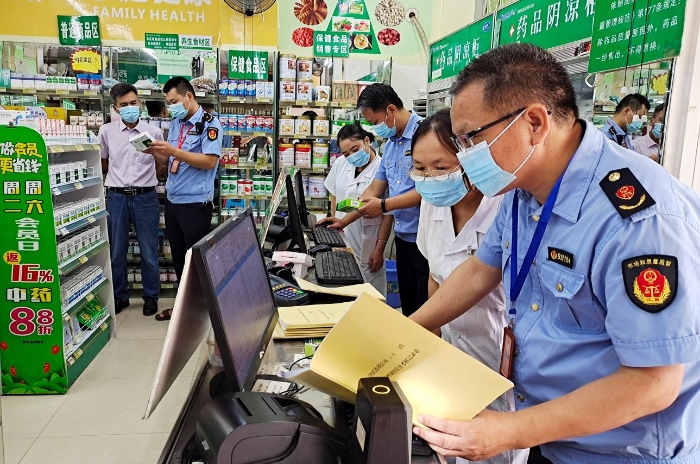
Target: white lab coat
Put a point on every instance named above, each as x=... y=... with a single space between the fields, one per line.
x=362 y=234
x=478 y=332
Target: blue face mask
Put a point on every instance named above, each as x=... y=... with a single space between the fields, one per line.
x=178 y=110
x=658 y=130
x=482 y=170
x=358 y=159
x=635 y=125
x=383 y=130
x=443 y=191
x=130 y=114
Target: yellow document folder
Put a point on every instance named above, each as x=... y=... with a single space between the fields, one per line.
x=348 y=290
x=374 y=340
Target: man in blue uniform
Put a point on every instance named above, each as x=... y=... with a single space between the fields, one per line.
x=629 y=116
x=192 y=154
x=604 y=314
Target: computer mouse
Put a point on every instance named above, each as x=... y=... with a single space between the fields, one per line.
x=323 y=224
x=319 y=249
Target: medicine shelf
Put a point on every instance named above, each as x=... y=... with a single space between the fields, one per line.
x=89 y=350
x=77 y=305
x=306 y=104
x=248 y=167
x=315 y=170
x=81 y=259
x=70 y=148
x=70 y=187
x=246 y=197
x=65 y=229
x=246 y=100
x=306 y=136
x=90 y=94
x=88 y=337
x=157 y=94
x=237 y=133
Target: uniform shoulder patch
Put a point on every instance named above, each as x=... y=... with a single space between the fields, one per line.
x=212 y=133
x=625 y=192
x=651 y=281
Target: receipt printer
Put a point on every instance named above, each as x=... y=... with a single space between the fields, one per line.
x=382 y=423
x=249 y=427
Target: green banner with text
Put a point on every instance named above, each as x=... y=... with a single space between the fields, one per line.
x=451 y=54
x=79 y=30
x=546 y=23
x=31 y=334
x=634 y=32
x=332 y=43
x=243 y=64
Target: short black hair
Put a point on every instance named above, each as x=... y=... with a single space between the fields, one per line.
x=180 y=83
x=120 y=90
x=355 y=132
x=440 y=124
x=377 y=97
x=633 y=101
x=155 y=108
x=659 y=109
x=517 y=75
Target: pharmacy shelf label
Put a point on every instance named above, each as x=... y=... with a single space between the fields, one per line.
x=332 y=43
x=246 y=64
x=157 y=41
x=546 y=23
x=31 y=325
x=451 y=54
x=630 y=33
x=79 y=30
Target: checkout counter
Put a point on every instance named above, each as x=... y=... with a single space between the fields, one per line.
x=180 y=443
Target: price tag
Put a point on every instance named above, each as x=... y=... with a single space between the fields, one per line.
x=78 y=185
x=56 y=191
x=90 y=93
x=144 y=92
x=3 y=89
x=335 y=105
x=235 y=99
x=57 y=149
x=319 y=170
x=62 y=92
x=263 y=100
x=66 y=317
x=83 y=259
x=28 y=90
x=91 y=219
x=78 y=353
x=259 y=134
x=104 y=326
x=609 y=108
x=348 y=105
x=70 y=361
x=89 y=297
x=63 y=231
x=200 y=94
x=79 y=148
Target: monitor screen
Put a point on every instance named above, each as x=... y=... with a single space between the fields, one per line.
x=241 y=307
x=294 y=219
x=301 y=200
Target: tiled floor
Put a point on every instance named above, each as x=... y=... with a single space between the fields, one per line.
x=100 y=420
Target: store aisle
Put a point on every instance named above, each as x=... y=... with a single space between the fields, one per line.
x=100 y=421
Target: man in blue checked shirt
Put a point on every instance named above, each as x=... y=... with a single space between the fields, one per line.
x=192 y=155
x=604 y=315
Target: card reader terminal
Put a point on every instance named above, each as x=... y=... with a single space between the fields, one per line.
x=286 y=294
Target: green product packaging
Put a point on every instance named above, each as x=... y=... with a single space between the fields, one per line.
x=349 y=205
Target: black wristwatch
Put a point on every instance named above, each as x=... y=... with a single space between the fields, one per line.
x=384 y=206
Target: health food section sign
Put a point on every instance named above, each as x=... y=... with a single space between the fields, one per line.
x=31 y=335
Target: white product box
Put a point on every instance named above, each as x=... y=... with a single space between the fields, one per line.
x=141 y=141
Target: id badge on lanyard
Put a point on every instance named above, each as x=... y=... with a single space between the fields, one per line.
x=517 y=278
x=175 y=165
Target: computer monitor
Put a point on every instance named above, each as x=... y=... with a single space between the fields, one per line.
x=301 y=200
x=242 y=310
x=294 y=219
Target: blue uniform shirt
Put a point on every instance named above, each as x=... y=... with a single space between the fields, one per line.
x=190 y=184
x=612 y=131
x=394 y=170
x=579 y=316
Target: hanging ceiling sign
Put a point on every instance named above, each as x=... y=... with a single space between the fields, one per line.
x=79 y=30
x=451 y=54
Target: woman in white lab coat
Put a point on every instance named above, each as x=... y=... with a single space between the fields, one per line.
x=454 y=218
x=350 y=175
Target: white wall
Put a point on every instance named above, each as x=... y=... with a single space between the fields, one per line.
x=682 y=144
x=450 y=15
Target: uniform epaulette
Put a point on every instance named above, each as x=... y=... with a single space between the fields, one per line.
x=625 y=192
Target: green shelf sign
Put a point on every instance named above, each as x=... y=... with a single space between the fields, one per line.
x=332 y=43
x=178 y=42
x=451 y=54
x=634 y=32
x=31 y=324
x=546 y=23
x=79 y=30
x=244 y=64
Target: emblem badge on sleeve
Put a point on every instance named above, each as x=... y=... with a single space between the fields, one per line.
x=651 y=281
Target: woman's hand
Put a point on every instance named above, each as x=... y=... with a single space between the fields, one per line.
x=376 y=260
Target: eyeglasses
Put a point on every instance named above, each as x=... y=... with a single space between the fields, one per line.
x=464 y=141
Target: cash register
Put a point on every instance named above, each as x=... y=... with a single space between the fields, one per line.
x=241 y=426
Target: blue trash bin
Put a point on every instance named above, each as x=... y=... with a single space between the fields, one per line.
x=393 y=298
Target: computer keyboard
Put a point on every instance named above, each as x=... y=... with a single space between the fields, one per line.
x=326 y=236
x=344 y=417
x=337 y=268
